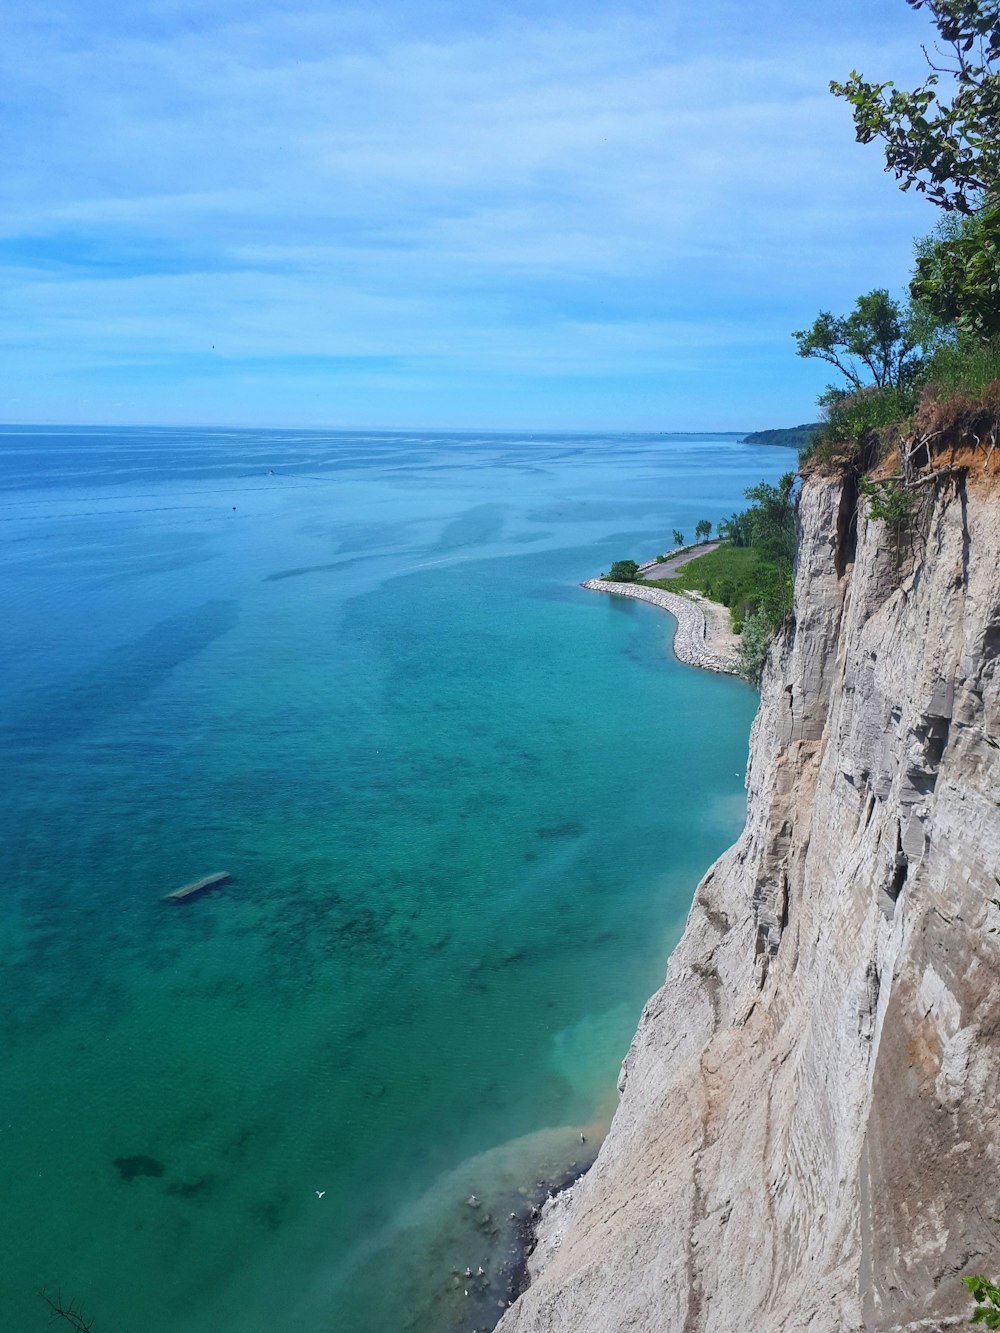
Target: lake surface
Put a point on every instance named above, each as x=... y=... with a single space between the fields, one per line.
x=464 y=803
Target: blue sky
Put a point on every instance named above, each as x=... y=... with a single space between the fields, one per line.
x=555 y=215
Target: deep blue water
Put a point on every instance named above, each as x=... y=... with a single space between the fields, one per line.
x=465 y=804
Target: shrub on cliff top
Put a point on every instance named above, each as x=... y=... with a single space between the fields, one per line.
x=623 y=571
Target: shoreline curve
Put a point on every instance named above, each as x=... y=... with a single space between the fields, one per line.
x=692 y=637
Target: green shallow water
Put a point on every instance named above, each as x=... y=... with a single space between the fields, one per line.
x=465 y=805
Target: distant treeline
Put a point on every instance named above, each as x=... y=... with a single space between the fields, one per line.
x=791 y=437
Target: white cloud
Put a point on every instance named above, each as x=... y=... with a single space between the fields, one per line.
x=523 y=191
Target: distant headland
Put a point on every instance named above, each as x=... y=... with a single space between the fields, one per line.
x=789 y=437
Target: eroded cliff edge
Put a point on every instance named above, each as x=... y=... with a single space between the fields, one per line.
x=808 y=1132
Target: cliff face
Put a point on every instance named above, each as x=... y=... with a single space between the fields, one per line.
x=808 y=1135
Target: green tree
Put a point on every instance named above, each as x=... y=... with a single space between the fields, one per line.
x=945 y=141
x=623 y=571
x=947 y=147
x=957 y=279
x=877 y=340
x=703 y=529
x=678 y=537
x=772 y=518
x=736 y=529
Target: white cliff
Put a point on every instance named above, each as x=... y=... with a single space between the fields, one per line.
x=808 y=1134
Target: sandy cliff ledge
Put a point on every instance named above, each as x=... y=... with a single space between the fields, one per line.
x=808 y=1133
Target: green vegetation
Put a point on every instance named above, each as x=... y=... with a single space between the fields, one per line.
x=987 y=1298
x=889 y=501
x=790 y=437
x=928 y=368
x=949 y=149
x=727 y=575
x=703 y=530
x=957 y=278
x=623 y=571
x=678 y=537
x=876 y=339
x=752 y=575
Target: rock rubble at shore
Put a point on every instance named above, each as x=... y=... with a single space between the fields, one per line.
x=692 y=644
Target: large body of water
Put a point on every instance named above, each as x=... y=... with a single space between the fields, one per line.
x=464 y=803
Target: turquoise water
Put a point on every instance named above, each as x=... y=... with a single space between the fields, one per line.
x=464 y=804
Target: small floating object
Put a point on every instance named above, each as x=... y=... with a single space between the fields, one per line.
x=472 y=1201
x=197 y=886
x=320 y=1193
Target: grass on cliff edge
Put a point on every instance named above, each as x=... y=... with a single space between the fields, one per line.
x=729 y=574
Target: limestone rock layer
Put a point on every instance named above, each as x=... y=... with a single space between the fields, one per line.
x=808 y=1135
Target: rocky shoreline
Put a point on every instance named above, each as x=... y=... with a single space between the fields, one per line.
x=695 y=639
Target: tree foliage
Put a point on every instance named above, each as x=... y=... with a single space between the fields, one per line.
x=772 y=517
x=987 y=1297
x=947 y=147
x=623 y=571
x=703 y=529
x=678 y=537
x=736 y=529
x=957 y=279
x=874 y=344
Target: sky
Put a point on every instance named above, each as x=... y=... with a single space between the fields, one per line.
x=559 y=215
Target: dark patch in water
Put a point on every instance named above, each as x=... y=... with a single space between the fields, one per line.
x=122 y=679
x=330 y=568
x=239 y=1143
x=189 y=1189
x=476 y=527
x=130 y=1167
x=269 y=1212
x=572 y=828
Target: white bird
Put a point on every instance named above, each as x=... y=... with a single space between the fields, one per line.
x=472 y=1201
x=320 y=1193
x=480 y=1271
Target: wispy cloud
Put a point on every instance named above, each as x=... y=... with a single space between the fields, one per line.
x=555 y=197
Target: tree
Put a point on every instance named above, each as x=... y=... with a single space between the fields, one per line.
x=678 y=537
x=949 y=149
x=957 y=279
x=703 y=529
x=946 y=143
x=736 y=529
x=772 y=518
x=623 y=571
x=879 y=333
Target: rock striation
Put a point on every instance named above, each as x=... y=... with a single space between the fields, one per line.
x=808 y=1135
